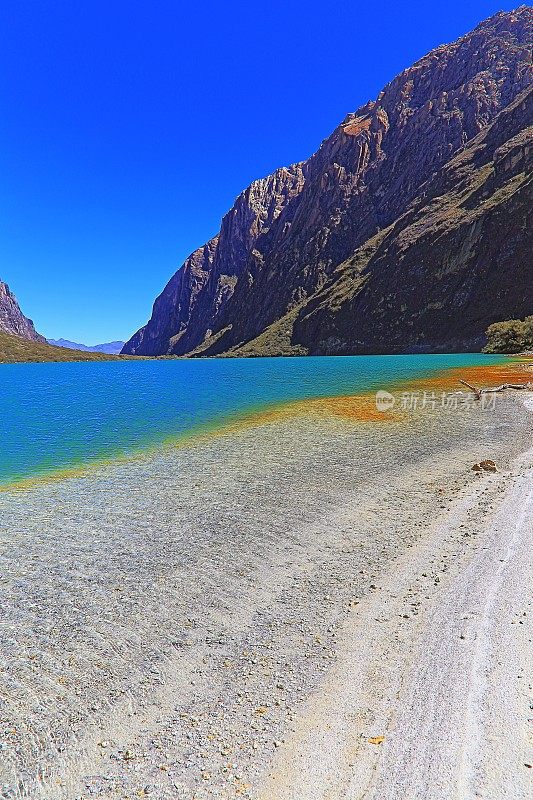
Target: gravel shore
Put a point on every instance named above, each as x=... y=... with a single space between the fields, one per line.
x=172 y=627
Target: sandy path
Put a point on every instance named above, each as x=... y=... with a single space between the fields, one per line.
x=435 y=661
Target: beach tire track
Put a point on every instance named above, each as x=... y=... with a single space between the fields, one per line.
x=454 y=735
x=431 y=682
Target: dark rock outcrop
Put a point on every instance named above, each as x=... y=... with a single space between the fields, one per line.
x=12 y=320
x=311 y=259
x=458 y=260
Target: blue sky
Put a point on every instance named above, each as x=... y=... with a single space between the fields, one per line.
x=128 y=128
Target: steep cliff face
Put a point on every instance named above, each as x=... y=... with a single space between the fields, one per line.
x=363 y=179
x=175 y=305
x=193 y=299
x=12 y=320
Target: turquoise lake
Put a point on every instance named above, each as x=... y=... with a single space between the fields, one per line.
x=60 y=415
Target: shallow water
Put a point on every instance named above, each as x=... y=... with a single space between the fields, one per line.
x=154 y=604
x=60 y=415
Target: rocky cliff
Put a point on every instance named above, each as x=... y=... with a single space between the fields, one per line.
x=407 y=230
x=459 y=259
x=188 y=308
x=12 y=320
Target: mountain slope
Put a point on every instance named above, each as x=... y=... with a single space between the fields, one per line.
x=458 y=260
x=196 y=295
x=12 y=320
x=345 y=200
x=17 y=349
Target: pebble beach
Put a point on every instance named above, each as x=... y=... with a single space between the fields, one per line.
x=166 y=622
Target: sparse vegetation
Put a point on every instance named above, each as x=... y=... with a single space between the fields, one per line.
x=273 y=341
x=14 y=349
x=511 y=336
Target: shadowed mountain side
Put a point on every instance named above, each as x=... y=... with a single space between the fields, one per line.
x=457 y=261
x=291 y=235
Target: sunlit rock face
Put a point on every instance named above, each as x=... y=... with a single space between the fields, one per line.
x=12 y=320
x=197 y=293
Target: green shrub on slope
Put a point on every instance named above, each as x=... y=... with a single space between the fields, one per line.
x=511 y=336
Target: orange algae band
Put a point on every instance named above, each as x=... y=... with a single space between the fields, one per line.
x=358 y=408
x=512 y=371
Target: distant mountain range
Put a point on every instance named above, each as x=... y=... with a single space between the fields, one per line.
x=408 y=231
x=111 y=348
x=19 y=341
x=13 y=322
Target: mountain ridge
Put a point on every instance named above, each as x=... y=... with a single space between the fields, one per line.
x=287 y=235
x=110 y=348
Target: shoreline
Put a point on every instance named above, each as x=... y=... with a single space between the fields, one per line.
x=169 y=640
x=359 y=407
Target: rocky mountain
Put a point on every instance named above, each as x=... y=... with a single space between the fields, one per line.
x=12 y=320
x=408 y=230
x=197 y=294
x=111 y=348
x=459 y=259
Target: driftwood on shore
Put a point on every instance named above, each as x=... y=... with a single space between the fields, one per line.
x=478 y=392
